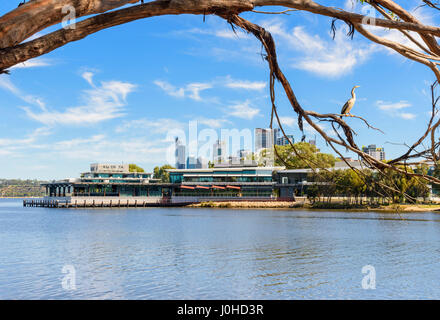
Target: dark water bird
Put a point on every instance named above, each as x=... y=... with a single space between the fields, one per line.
x=21 y=3
x=350 y=103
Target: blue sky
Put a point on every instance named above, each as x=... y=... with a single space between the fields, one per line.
x=114 y=96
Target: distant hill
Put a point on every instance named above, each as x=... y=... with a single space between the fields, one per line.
x=21 y=188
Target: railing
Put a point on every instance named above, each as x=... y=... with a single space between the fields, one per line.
x=224 y=195
x=181 y=199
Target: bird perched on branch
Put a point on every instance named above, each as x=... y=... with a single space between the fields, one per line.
x=350 y=103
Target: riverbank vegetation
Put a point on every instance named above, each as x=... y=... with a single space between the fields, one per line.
x=162 y=173
x=306 y=205
x=304 y=156
x=354 y=187
x=369 y=187
x=15 y=188
x=135 y=168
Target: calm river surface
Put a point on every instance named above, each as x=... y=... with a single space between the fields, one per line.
x=182 y=253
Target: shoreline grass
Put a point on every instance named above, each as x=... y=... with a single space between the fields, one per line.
x=319 y=206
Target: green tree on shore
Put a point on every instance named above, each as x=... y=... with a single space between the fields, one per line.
x=162 y=174
x=135 y=168
x=306 y=151
x=368 y=184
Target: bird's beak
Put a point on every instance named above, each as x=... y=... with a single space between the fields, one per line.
x=357 y=86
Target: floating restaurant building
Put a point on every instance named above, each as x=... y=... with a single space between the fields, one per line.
x=105 y=185
x=103 y=180
x=223 y=183
x=114 y=185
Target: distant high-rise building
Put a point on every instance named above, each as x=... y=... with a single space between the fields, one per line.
x=202 y=163
x=276 y=135
x=373 y=151
x=313 y=143
x=180 y=154
x=219 y=152
x=196 y=163
x=192 y=163
x=264 y=138
x=244 y=154
x=282 y=141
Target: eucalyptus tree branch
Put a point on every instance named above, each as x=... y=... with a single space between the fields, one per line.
x=405 y=33
x=431 y=4
x=429 y=39
x=399 y=48
x=36 y=15
x=271 y=56
x=428 y=130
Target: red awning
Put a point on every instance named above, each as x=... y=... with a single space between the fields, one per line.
x=187 y=187
x=233 y=187
x=202 y=187
x=217 y=187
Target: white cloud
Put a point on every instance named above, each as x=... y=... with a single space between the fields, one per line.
x=407 y=116
x=88 y=76
x=102 y=148
x=213 y=123
x=155 y=126
x=245 y=84
x=394 y=109
x=243 y=110
x=69 y=144
x=31 y=138
x=163 y=125
x=170 y=89
x=387 y=106
x=288 y=121
x=191 y=90
x=22 y=146
x=229 y=34
x=6 y=84
x=32 y=63
x=329 y=58
x=217 y=31
x=102 y=103
x=194 y=90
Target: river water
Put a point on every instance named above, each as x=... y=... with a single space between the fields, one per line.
x=183 y=253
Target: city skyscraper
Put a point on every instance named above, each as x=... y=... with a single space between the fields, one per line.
x=196 y=163
x=276 y=135
x=219 y=152
x=376 y=153
x=180 y=154
x=282 y=141
x=264 y=138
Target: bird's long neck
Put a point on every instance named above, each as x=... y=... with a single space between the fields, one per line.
x=353 y=95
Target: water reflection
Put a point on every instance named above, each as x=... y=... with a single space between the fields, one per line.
x=216 y=254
